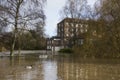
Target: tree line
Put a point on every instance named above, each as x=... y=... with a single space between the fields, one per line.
x=24 y=18
x=102 y=38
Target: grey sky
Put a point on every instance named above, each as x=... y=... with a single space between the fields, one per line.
x=52 y=13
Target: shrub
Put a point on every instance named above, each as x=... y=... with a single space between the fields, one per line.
x=66 y=50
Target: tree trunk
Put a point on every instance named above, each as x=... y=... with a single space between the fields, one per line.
x=13 y=44
x=15 y=32
x=19 y=44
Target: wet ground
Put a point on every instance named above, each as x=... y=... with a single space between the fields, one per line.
x=36 y=67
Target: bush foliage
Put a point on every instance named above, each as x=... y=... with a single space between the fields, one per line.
x=66 y=50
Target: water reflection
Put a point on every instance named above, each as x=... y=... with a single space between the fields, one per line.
x=58 y=68
x=72 y=69
x=50 y=70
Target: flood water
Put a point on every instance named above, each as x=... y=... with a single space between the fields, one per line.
x=31 y=67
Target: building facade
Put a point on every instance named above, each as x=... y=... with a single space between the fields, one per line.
x=71 y=31
x=54 y=43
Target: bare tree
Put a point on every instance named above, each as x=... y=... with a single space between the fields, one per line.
x=109 y=13
x=74 y=9
x=21 y=12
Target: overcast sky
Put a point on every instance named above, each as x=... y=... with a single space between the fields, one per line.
x=52 y=10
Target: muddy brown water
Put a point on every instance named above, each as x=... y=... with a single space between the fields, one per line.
x=33 y=67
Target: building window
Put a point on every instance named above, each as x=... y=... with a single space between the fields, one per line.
x=76 y=25
x=72 y=30
x=81 y=41
x=94 y=33
x=72 y=24
x=81 y=30
x=86 y=26
x=81 y=25
x=72 y=35
x=77 y=30
x=62 y=29
x=67 y=35
x=67 y=23
x=67 y=29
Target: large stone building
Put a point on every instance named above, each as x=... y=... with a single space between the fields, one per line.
x=70 y=32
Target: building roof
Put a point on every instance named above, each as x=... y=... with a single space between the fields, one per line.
x=72 y=19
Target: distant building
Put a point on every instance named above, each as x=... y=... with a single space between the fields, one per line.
x=70 y=32
x=54 y=43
